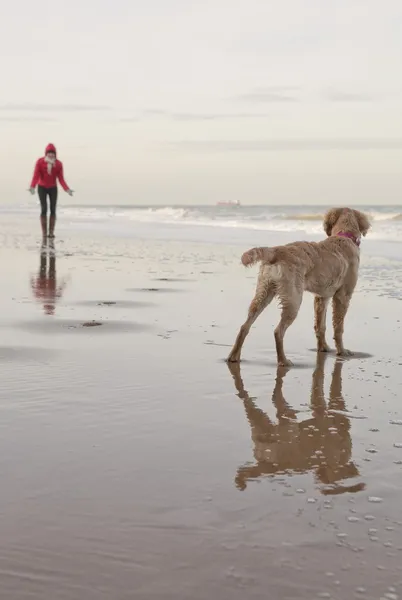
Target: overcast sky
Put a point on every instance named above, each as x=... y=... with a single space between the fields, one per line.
x=184 y=101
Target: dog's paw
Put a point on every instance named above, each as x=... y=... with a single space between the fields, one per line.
x=233 y=359
x=285 y=363
x=344 y=352
x=324 y=348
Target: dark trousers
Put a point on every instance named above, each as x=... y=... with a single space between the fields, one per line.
x=43 y=194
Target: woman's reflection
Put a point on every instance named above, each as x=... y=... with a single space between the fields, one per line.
x=321 y=444
x=44 y=285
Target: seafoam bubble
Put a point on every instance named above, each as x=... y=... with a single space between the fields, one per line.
x=353 y=519
x=398 y=445
x=375 y=499
x=395 y=422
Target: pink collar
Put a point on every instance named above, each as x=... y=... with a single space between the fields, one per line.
x=355 y=240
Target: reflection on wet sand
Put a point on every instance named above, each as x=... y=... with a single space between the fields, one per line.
x=321 y=444
x=44 y=285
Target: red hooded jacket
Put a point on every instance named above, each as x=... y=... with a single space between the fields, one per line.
x=41 y=175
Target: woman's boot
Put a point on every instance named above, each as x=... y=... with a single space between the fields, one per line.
x=52 y=222
x=43 y=222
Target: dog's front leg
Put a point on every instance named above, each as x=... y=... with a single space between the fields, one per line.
x=340 y=304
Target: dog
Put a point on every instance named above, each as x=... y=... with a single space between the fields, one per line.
x=328 y=269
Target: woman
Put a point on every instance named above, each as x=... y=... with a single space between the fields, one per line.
x=47 y=171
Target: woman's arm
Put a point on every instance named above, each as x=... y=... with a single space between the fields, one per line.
x=36 y=174
x=61 y=178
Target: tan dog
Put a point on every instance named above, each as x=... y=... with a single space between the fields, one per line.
x=328 y=269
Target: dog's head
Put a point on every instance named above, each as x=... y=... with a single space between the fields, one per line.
x=346 y=219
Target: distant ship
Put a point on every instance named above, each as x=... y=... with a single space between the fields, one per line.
x=229 y=203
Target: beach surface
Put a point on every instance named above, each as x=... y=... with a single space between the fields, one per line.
x=135 y=464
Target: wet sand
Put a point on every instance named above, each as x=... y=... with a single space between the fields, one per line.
x=136 y=464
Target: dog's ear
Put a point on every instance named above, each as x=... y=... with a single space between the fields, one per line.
x=362 y=222
x=330 y=219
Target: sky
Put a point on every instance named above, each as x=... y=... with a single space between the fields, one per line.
x=194 y=102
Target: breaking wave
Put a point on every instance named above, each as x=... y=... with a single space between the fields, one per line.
x=387 y=221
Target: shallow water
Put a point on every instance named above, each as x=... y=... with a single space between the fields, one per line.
x=135 y=463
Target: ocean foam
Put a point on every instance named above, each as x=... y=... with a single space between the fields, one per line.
x=387 y=221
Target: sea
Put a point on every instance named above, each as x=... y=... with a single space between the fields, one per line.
x=232 y=224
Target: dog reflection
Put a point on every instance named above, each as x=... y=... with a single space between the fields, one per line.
x=44 y=285
x=321 y=444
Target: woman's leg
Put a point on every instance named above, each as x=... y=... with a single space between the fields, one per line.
x=53 y=203
x=42 y=193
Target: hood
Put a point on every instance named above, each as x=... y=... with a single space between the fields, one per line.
x=50 y=148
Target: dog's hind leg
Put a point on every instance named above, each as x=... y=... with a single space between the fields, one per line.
x=320 y=316
x=264 y=295
x=291 y=299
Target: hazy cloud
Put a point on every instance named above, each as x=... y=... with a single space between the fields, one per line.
x=200 y=116
x=271 y=94
x=346 y=96
x=283 y=145
x=28 y=119
x=32 y=107
x=293 y=94
x=129 y=120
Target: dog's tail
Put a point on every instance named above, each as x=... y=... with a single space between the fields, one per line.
x=254 y=255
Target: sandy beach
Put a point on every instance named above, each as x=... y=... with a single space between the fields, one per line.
x=135 y=464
